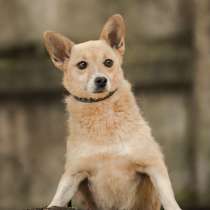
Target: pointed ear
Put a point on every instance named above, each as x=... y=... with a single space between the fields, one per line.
x=113 y=33
x=58 y=47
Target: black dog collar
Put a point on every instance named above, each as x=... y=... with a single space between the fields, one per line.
x=92 y=100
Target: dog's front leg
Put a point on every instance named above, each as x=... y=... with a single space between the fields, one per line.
x=159 y=176
x=67 y=186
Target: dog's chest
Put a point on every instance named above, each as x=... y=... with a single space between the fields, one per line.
x=113 y=182
x=112 y=177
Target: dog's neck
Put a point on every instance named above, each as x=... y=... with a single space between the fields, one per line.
x=119 y=97
x=92 y=100
x=105 y=116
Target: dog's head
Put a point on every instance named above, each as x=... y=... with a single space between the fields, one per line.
x=93 y=68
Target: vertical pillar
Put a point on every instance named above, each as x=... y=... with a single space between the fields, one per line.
x=201 y=99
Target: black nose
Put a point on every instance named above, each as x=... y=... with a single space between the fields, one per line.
x=100 y=82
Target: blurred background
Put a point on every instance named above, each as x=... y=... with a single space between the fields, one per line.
x=167 y=60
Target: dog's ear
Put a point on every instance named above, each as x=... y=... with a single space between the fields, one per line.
x=113 y=33
x=58 y=47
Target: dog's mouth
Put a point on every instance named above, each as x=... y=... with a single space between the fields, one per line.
x=99 y=91
x=93 y=100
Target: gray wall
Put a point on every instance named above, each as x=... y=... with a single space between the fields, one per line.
x=158 y=62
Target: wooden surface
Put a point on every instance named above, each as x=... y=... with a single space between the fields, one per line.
x=69 y=208
x=53 y=208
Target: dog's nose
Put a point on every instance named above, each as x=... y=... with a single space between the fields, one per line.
x=100 y=82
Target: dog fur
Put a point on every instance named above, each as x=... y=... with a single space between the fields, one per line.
x=112 y=160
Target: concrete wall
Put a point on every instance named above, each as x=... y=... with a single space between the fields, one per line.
x=158 y=62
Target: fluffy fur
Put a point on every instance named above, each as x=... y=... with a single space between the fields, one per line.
x=112 y=160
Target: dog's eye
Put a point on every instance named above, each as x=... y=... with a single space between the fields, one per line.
x=82 y=65
x=108 y=63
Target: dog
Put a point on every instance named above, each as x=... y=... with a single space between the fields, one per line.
x=112 y=159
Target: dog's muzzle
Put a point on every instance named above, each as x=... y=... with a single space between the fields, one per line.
x=100 y=84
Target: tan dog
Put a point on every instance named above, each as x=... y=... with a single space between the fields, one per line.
x=112 y=160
